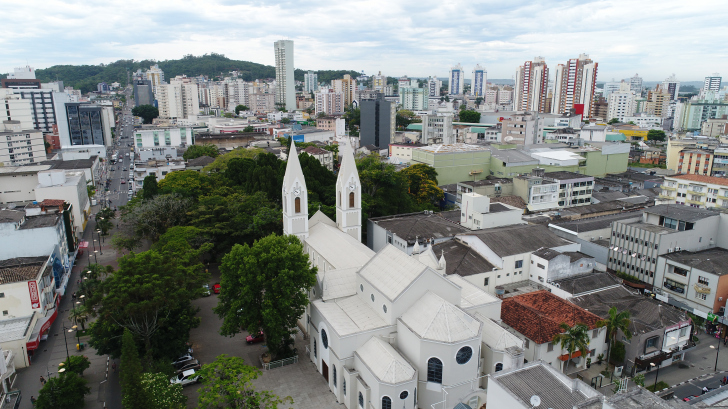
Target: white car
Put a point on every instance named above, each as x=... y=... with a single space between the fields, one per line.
x=185 y=378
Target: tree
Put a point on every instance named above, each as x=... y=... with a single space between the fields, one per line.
x=285 y=120
x=404 y=118
x=470 y=116
x=131 y=373
x=66 y=391
x=249 y=128
x=613 y=121
x=150 y=187
x=151 y=218
x=228 y=115
x=241 y=108
x=573 y=339
x=478 y=101
x=80 y=316
x=656 y=135
x=146 y=112
x=186 y=183
x=384 y=190
x=321 y=115
x=77 y=364
x=616 y=321
x=195 y=151
x=265 y=287
x=228 y=383
x=422 y=181
x=220 y=163
x=160 y=393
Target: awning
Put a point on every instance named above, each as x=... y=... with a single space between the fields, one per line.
x=565 y=357
x=32 y=344
x=83 y=245
x=42 y=325
x=634 y=285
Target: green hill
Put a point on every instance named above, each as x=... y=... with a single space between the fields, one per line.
x=214 y=66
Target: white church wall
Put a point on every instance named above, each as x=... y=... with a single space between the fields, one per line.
x=452 y=372
x=490 y=310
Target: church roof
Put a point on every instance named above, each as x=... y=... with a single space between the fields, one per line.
x=497 y=337
x=338 y=248
x=349 y=315
x=433 y=318
x=339 y=283
x=470 y=295
x=320 y=217
x=391 y=271
x=293 y=169
x=388 y=365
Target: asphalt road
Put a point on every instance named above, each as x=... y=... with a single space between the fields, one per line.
x=695 y=387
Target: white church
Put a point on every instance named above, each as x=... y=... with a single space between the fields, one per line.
x=389 y=330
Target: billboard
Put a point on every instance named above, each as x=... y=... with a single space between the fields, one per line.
x=34 y=298
x=297 y=138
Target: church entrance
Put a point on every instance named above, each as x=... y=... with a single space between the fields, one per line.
x=325 y=370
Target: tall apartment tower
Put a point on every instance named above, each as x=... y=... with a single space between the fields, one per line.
x=635 y=84
x=672 y=86
x=347 y=86
x=285 y=82
x=433 y=87
x=457 y=80
x=480 y=77
x=711 y=83
x=574 y=86
x=377 y=122
x=310 y=82
x=156 y=76
x=532 y=83
x=379 y=82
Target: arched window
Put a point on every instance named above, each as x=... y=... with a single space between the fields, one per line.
x=334 y=373
x=314 y=349
x=434 y=370
x=343 y=386
x=351 y=199
x=386 y=402
x=298 y=204
x=361 y=400
x=498 y=367
x=324 y=339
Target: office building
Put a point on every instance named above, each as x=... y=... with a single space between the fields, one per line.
x=329 y=102
x=20 y=146
x=310 y=82
x=635 y=84
x=532 y=81
x=574 y=86
x=672 y=86
x=346 y=86
x=143 y=92
x=83 y=124
x=433 y=87
x=413 y=98
x=153 y=137
x=480 y=78
x=456 y=80
x=378 y=122
x=15 y=108
x=156 y=76
x=711 y=83
x=285 y=82
x=437 y=129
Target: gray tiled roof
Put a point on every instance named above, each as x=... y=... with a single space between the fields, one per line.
x=518 y=239
x=43 y=220
x=460 y=259
x=597 y=223
x=713 y=260
x=564 y=175
x=641 y=398
x=682 y=212
x=11 y=216
x=586 y=282
x=412 y=225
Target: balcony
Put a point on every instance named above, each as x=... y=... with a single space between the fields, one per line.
x=696 y=202
x=669 y=188
x=679 y=290
x=663 y=197
x=722 y=197
x=692 y=192
x=701 y=288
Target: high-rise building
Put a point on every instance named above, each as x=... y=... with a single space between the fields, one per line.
x=24 y=146
x=310 y=82
x=82 y=124
x=377 y=122
x=285 y=81
x=621 y=103
x=433 y=87
x=41 y=101
x=15 y=108
x=413 y=98
x=143 y=92
x=404 y=81
x=238 y=93
x=532 y=80
x=456 y=80
x=179 y=99
x=329 y=102
x=658 y=100
x=480 y=77
x=346 y=86
x=156 y=76
x=711 y=83
x=574 y=86
x=379 y=82
x=672 y=86
x=23 y=73
x=611 y=86
x=635 y=84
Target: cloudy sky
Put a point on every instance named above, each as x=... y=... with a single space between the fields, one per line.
x=413 y=37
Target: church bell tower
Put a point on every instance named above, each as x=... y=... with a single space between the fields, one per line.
x=295 y=197
x=348 y=193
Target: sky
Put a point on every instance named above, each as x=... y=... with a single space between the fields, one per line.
x=417 y=38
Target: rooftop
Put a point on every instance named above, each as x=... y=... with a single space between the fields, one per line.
x=11 y=216
x=515 y=201
x=518 y=239
x=14 y=328
x=433 y=318
x=20 y=269
x=597 y=223
x=641 y=398
x=386 y=363
x=349 y=315
x=472 y=295
x=203 y=161
x=714 y=260
x=72 y=164
x=312 y=150
x=409 y=226
x=460 y=259
x=40 y=221
x=537 y=315
x=564 y=175
x=513 y=156
x=702 y=179
x=486 y=182
x=681 y=212
x=583 y=283
x=391 y=271
x=454 y=148
x=341 y=250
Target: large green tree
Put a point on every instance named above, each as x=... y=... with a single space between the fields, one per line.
x=151 y=218
x=228 y=383
x=265 y=287
x=195 y=151
x=150 y=188
x=186 y=183
x=131 y=373
x=404 y=118
x=656 y=135
x=470 y=116
x=146 y=112
x=65 y=391
x=422 y=181
x=573 y=339
x=240 y=108
x=384 y=190
x=615 y=322
x=160 y=393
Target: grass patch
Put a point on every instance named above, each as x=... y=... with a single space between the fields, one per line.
x=660 y=386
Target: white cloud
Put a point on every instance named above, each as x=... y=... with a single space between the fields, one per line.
x=417 y=38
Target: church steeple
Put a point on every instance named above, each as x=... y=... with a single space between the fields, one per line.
x=295 y=197
x=348 y=193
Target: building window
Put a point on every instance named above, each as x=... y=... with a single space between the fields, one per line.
x=5 y=312
x=595 y=333
x=680 y=271
x=361 y=400
x=651 y=343
x=550 y=347
x=343 y=386
x=541 y=266
x=297 y=203
x=464 y=354
x=498 y=367
x=2 y=295
x=372 y=297
x=683 y=331
x=351 y=199
x=486 y=280
x=324 y=339
x=703 y=280
x=314 y=349
x=384 y=307
x=386 y=402
x=519 y=263
x=434 y=370
x=403 y=395
x=701 y=296
x=333 y=369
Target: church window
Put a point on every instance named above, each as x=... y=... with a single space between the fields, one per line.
x=334 y=370
x=314 y=349
x=351 y=199
x=498 y=367
x=361 y=287
x=404 y=395
x=464 y=355
x=386 y=402
x=434 y=370
x=343 y=386
x=298 y=205
x=361 y=400
x=339 y=198
x=372 y=297
x=324 y=339
x=384 y=307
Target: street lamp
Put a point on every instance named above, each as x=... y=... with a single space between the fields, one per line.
x=717 y=351
x=66 y=341
x=96 y=260
x=654 y=388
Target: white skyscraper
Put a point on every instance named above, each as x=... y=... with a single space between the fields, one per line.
x=23 y=73
x=711 y=83
x=310 y=82
x=457 y=80
x=480 y=77
x=285 y=82
x=621 y=103
x=433 y=87
x=635 y=84
x=532 y=80
x=672 y=86
x=574 y=86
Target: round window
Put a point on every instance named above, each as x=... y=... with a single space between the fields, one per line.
x=404 y=395
x=372 y=297
x=384 y=307
x=325 y=340
x=464 y=355
x=361 y=287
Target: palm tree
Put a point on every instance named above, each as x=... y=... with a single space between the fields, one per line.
x=617 y=321
x=80 y=316
x=573 y=339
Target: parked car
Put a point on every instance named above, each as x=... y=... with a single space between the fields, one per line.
x=183 y=358
x=206 y=289
x=185 y=378
x=254 y=339
x=216 y=288
x=689 y=398
x=123 y=182
x=195 y=364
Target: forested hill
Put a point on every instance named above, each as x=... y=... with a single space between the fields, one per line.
x=215 y=66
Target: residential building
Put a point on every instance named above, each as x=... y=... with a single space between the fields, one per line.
x=437 y=128
x=634 y=247
x=404 y=81
x=413 y=98
x=456 y=80
x=574 y=86
x=574 y=189
x=491 y=187
x=179 y=100
x=658 y=100
x=143 y=92
x=532 y=82
x=326 y=158
x=42 y=106
x=691 y=115
x=159 y=153
x=159 y=169
x=329 y=102
x=695 y=190
x=310 y=82
x=635 y=84
x=238 y=93
x=156 y=76
x=695 y=161
x=153 y=136
x=539 y=193
x=621 y=104
x=536 y=317
x=480 y=79
x=675 y=146
x=346 y=86
x=15 y=108
x=671 y=85
x=433 y=87
x=523 y=128
x=379 y=82
x=57 y=185
x=263 y=102
x=610 y=87
x=20 y=146
x=711 y=84
x=712 y=128
x=378 y=122
x=285 y=81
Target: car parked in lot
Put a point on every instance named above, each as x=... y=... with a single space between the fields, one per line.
x=184 y=358
x=185 y=378
x=216 y=288
x=206 y=289
x=254 y=339
x=195 y=364
x=123 y=182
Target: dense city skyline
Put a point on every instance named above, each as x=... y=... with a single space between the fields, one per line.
x=654 y=39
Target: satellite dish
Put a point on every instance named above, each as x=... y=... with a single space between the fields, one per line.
x=535 y=401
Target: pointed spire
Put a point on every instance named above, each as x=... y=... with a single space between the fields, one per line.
x=293 y=168
x=416 y=249
x=348 y=164
x=442 y=260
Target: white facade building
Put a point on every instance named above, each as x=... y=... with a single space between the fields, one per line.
x=480 y=78
x=310 y=82
x=437 y=128
x=69 y=186
x=329 y=102
x=20 y=146
x=15 y=108
x=711 y=84
x=532 y=80
x=285 y=81
x=151 y=137
x=178 y=100
x=433 y=87
x=621 y=104
x=413 y=98
x=456 y=79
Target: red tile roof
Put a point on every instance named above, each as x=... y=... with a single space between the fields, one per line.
x=537 y=315
x=52 y=202
x=703 y=179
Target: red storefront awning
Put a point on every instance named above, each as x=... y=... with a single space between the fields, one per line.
x=83 y=245
x=33 y=344
x=565 y=357
x=41 y=326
